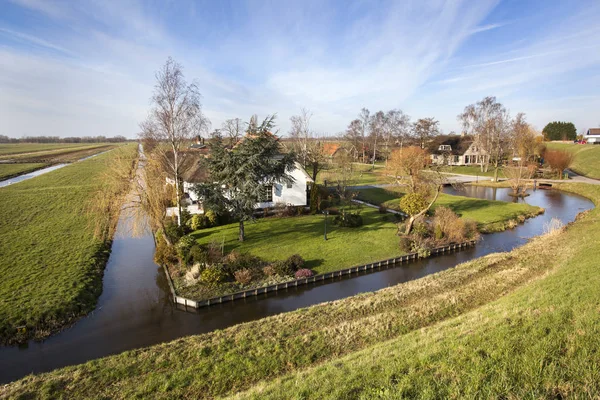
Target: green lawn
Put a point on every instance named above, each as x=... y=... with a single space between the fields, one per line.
x=587 y=157
x=10 y=170
x=490 y=215
x=363 y=174
x=50 y=263
x=519 y=324
x=278 y=238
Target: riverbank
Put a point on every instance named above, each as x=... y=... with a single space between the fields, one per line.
x=8 y=171
x=51 y=264
x=234 y=359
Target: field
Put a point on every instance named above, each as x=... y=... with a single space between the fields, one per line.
x=10 y=170
x=59 y=153
x=521 y=324
x=50 y=262
x=587 y=157
x=491 y=216
x=363 y=174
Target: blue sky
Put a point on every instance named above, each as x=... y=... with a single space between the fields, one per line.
x=87 y=67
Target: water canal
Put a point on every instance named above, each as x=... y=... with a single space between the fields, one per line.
x=135 y=309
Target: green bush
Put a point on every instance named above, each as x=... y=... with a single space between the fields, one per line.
x=295 y=262
x=412 y=203
x=213 y=276
x=236 y=261
x=164 y=254
x=213 y=219
x=198 y=254
x=183 y=247
x=173 y=232
x=314 y=199
x=438 y=233
x=282 y=268
x=348 y=220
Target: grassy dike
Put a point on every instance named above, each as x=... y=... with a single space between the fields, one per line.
x=50 y=262
x=585 y=160
x=472 y=314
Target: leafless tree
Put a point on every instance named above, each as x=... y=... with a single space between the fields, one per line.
x=522 y=138
x=397 y=128
x=233 y=129
x=307 y=145
x=489 y=121
x=425 y=128
x=354 y=136
x=376 y=130
x=174 y=120
x=365 y=118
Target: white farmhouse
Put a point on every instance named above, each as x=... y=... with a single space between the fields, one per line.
x=592 y=136
x=457 y=150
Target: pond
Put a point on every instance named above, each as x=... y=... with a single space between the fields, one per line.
x=135 y=308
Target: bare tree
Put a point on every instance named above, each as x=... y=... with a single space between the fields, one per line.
x=522 y=138
x=518 y=175
x=174 y=120
x=489 y=121
x=234 y=130
x=354 y=136
x=365 y=118
x=397 y=128
x=558 y=160
x=307 y=145
x=425 y=128
x=376 y=129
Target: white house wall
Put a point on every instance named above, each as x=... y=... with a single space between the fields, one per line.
x=294 y=195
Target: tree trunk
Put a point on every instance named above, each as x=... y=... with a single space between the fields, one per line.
x=374 y=152
x=412 y=219
x=177 y=196
x=496 y=173
x=315 y=171
x=242 y=232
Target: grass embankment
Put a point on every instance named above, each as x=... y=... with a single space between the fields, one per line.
x=490 y=215
x=525 y=323
x=10 y=170
x=60 y=154
x=18 y=148
x=586 y=157
x=50 y=263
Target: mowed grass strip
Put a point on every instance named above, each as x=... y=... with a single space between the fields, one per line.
x=11 y=170
x=238 y=358
x=586 y=157
x=490 y=215
x=50 y=263
x=61 y=154
x=540 y=341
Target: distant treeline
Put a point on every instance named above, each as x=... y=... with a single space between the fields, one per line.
x=56 y=139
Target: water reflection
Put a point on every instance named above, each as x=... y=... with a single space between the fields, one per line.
x=135 y=309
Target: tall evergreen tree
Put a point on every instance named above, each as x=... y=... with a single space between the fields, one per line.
x=241 y=176
x=560 y=131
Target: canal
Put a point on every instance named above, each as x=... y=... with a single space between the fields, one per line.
x=135 y=308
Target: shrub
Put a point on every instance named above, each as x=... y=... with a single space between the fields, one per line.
x=421 y=229
x=382 y=209
x=183 y=247
x=438 y=233
x=412 y=203
x=198 y=254
x=282 y=268
x=186 y=216
x=243 y=276
x=471 y=232
x=405 y=244
x=213 y=276
x=348 y=220
x=303 y=273
x=421 y=247
x=295 y=262
x=173 y=232
x=212 y=218
x=269 y=270
x=164 y=254
x=452 y=227
x=314 y=198
x=236 y=261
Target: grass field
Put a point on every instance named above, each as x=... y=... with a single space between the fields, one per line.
x=10 y=170
x=56 y=154
x=491 y=216
x=521 y=324
x=18 y=148
x=50 y=263
x=587 y=157
x=363 y=174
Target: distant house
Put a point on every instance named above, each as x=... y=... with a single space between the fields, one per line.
x=592 y=136
x=295 y=194
x=457 y=150
x=334 y=151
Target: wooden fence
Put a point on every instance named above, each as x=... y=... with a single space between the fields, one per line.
x=305 y=281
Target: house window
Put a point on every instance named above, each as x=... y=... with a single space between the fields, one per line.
x=455 y=159
x=267 y=194
x=289 y=185
x=445 y=147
